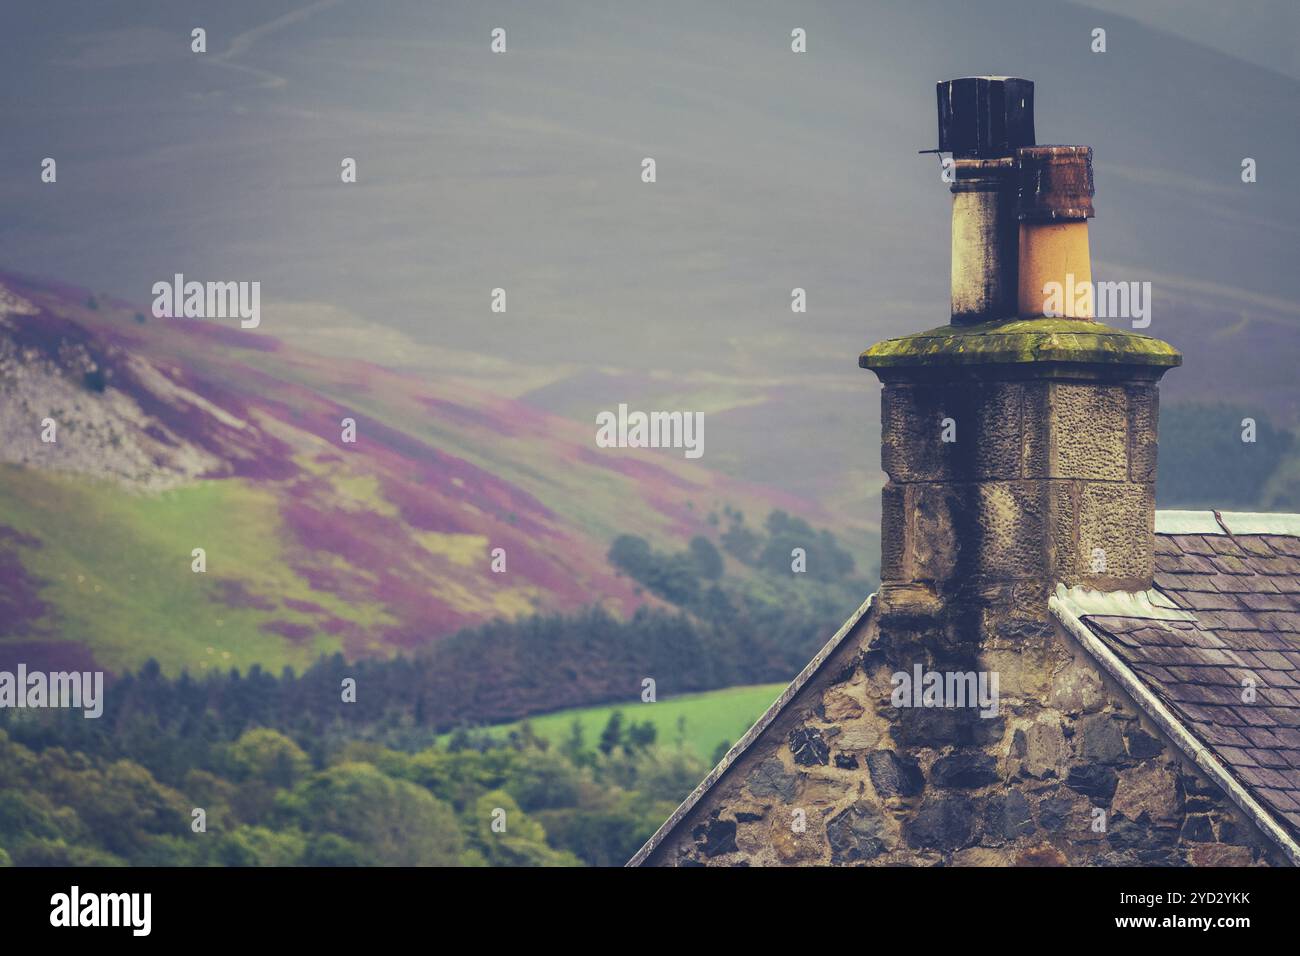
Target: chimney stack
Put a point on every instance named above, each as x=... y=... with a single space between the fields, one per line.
x=1020 y=449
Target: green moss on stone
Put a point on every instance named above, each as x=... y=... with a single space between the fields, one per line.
x=1014 y=341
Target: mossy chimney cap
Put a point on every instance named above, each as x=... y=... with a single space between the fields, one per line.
x=982 y=117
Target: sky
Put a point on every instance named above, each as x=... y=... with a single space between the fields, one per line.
x=522 y=170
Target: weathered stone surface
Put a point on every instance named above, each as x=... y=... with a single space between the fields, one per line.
x=911 y=425
x=716 y=837
x=1042 y=855
x=980 y=856
x=1063 y=531
x=936 y=727
x=1147 y=791
x=964 y=770
x=1077 y=689
x=1054 y=812
x=997 y=443
x=1040 y=747
x=1007 y=816
x=839 y=705
x=1118 y=518
x=1090 y=431
x=809 y=747
x=894 y=776
x=1124 y=833
x=856 y=834
x=859 y=736
x=1142 y=745
x=1098 y=738
x=894 y=539
x=1012 y=521
x=796 y=846
x=1214 y=854
x=771 y=779
x=1095 y=782
x=1143 y=412
x=1198 y=829
x=827 y=789
x=1036 y=429
x=943 y=822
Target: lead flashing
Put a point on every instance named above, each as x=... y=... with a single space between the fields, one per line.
x=1254 y=522
x=1187 y=522
x=1147 y=605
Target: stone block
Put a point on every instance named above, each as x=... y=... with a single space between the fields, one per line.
x=771 y=779
x=943 y=822
x=1143 y=416
x=1147 y=789
x=1119 y=519
x=893 y=533
x=997 y=440
x=1040 y=748
x=911 y=426
x=1007 y=817
x=894 y=776
x=1012 y=525
x=857 y=834
x=985 y=432
x=1036 y=430
x=964 y=770
x=1098 y=738
x=1089 y=432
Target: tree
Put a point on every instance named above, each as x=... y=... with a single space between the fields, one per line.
x=393 y=822
x=632 y=555
x=640 y=736
x=508 y=837
x=612 y=735
x=708 y=560
x=267 y=756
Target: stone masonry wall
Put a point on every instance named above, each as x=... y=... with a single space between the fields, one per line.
x=1047 y=480
x=842 y=777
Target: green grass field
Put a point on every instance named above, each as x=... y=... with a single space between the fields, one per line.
x=711 y=717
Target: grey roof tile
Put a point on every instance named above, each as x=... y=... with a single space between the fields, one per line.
x=1244 y=591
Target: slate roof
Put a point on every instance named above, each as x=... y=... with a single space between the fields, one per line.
x=1236 y=580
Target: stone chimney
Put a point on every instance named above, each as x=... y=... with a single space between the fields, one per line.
x=1020 y=448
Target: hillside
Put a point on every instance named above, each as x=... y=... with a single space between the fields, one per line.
x=701 y=722
x=173 y=435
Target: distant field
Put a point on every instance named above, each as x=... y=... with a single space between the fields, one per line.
x=711 y=717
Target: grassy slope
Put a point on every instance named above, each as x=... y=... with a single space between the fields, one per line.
x=711 y=717
x=313 y=546
x=118 y=569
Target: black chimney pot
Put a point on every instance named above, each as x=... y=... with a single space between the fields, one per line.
x=984 y=117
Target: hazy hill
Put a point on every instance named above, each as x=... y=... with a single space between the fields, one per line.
x=181 y=434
